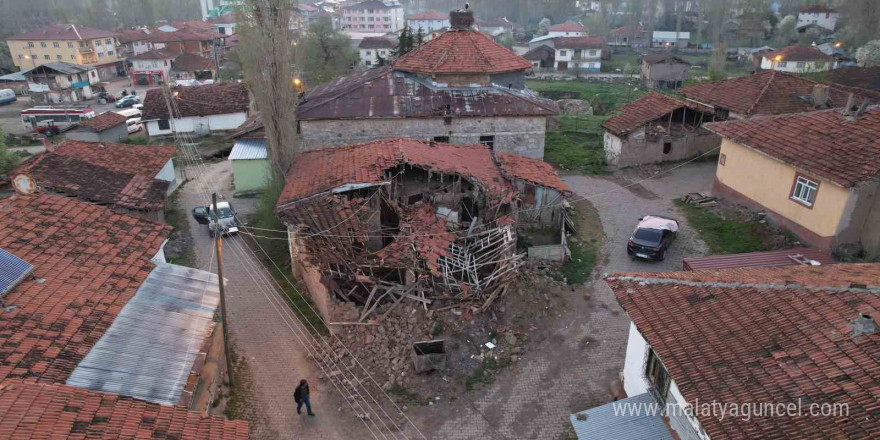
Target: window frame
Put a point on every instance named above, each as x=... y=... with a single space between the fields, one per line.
x=798 y=177
x=488 y=140
x=166 y=122
x=654 y=370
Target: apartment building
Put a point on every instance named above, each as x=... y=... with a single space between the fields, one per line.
x=373 y=16
x=68 y=43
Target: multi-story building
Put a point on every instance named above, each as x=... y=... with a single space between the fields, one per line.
x=68 y=43
x=819 y=15
x=374 y=50
x=373 y=16
x=578 y=53
x=428 y=21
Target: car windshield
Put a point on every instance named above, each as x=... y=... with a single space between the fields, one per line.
x=648 y=235
x=224 y=213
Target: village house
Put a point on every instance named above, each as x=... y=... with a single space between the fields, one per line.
x=138 y=343
x=664 y=70
x=797 y=59
x=106 y=127
x=373 y=16
x=152 y=67
x=814 y=173
x=61 y=82
x=68 y=43
x=496 y=26
x=767 y=92
x=134 y=42
x=428 y=21
x=567 y=29
x=224 y=24
x=460 y=87
x=198 y=110
x=193 y=66
x=374 y=49
x=134 y=179
x=249 y=156
x=542 y=57
x=670 y=39
x=184 y=41
x=798 y=336
x=658 y=128
x=578 y=54
x=410 y=218
x=820 y=15
x=629 y=36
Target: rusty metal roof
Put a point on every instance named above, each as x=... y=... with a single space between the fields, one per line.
x=785 y=257
x=385 y=93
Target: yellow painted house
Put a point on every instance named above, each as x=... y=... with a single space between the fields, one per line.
x=68 y=43
x=817 y=173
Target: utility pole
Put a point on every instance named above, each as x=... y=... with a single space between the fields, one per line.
x=217 y=247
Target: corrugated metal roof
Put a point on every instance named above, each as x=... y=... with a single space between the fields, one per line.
x=61 y=67
x=14 y=76
x=785 y=257
x=149 y=350
x=12 y=271
x=249 y=149
x=603 y=423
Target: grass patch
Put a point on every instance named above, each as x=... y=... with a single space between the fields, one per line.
x=578 y=145
x=583 y=260
x=725 y=236
x=626 y=62
x=402 y=395
x=611 y=95
x=237 y=406
x=176 y=216
x=485 y=374
x=275 y=256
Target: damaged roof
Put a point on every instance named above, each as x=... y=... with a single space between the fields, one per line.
x=652 y=106
x=191 y=62
x=384 y=93
x=319 y=171
x=119 y=175
x=768 y=92
x=799 y=52
x=202 y=100
x=829 y=144
x=775 y=335
x=459 y=51
x=532 y=170
x=578 y=42
x=104 y=121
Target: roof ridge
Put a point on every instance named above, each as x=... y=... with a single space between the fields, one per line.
x=772 y=76
x=729 y=284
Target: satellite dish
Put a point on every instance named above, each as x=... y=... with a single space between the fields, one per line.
x=24 y=184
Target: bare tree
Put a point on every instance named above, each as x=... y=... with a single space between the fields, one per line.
x=266 y=53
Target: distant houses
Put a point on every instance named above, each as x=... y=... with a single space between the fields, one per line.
x=664 y=70
x=797 y=59
x=819 y=15
x=196 y=110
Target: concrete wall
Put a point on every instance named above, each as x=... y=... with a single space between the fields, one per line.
x=518 y=135
x=116 y=134
x=652 y=74
x=250 y=175
x=225 y=122
x=768 y=182
x=796 y=66
x=860 y=221
x=636 y=149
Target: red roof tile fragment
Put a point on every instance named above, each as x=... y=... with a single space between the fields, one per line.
x=461 y=51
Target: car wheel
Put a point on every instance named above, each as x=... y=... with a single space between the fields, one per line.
x=663 y=255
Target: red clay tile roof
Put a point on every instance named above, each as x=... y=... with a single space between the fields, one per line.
x=663 y=56
x=461 y=51
x=652 y=106
x=155 y=54
x=63 y=32
x=768 y=92
x=817 y=9
x=377 y=43
x=430 y=15
x=190 y=62
x=579 y=42
x=186 y=34
x=765 y=335
x=826 y=143
x=203 y=100
x=532 y=170
x=317 y=171
x=866 y=78
x=626 y=30
x=118 y=175
x=132 y=35
x=88 y=262
x=228 y=18
x=799 y=52
x=567 y=27
x=60 y=412
x=103 y=121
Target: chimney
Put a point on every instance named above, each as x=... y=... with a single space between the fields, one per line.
x=861 y=110
x=820 y=95
x=849 y=104
x=461 y=19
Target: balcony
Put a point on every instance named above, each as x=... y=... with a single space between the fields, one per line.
x=86 y=49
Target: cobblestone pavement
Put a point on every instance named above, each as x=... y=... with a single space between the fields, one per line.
x=572 y=366
x=262 y=333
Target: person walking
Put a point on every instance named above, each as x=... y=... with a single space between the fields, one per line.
x=301 y=396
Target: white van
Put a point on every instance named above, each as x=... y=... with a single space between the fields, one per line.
x=134 y=125
x=130 y=113
x=7 y=96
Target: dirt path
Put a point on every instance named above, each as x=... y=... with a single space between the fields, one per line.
x=262 y=333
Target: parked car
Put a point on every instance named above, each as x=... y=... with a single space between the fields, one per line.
x=228 y=224
x=652 y=237
x=7 y=96
x=134 y=125
x=106 y=96
x=127 y=101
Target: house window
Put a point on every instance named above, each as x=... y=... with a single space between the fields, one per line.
x=804 y=191
x=70 y=45
x=20 y=56
x=59 y=57
x=783 y=64
x=563 y=53
x=488 y=141
x=367 y=63
x=657 y=375
x=30 y=44
x=369 y=53
x=45 y=57
x=441 y=139
x=73 y=57
x=163 y=124
x=109 y=42
x=92 y=73
x=42 y=44
x=667 y=147
x=592 y=53
x=109 y=52
x=97 y=42
x=722 y=159
x=801 y=64
x=100 y=54
x=55 y=44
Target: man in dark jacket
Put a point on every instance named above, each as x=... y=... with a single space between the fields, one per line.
x=301 y=396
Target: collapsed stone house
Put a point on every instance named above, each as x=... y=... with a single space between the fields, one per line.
x=658 y=128
x=459 y=87
x=403 y=218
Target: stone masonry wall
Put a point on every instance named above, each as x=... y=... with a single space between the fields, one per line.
x=518 y=135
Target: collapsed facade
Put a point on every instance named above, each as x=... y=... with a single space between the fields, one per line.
x=403 y=218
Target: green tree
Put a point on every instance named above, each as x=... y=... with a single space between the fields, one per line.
x=325 y=53
x=869 y=54
x=506 y=40
x=420 y=37
x=8 y=159
x=405 y=43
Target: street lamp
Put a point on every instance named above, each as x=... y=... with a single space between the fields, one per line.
x=776 y=61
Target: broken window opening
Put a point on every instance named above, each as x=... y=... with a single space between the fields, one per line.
x=488 y=141
x=441 y=139
x=667 y=147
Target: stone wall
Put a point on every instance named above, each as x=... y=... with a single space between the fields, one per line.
x=637 y=149
x=518 y=135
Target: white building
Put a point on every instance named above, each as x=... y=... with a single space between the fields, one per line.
x=567 y=29
x=797 y=59
x=578 y=53
x=819 y=15
x=224 y=24
x=62 y=82
x=372 y=49
x=428 y=21
x=670 y=39
x=151 y=67
x=373 y=16
x=198 y=110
